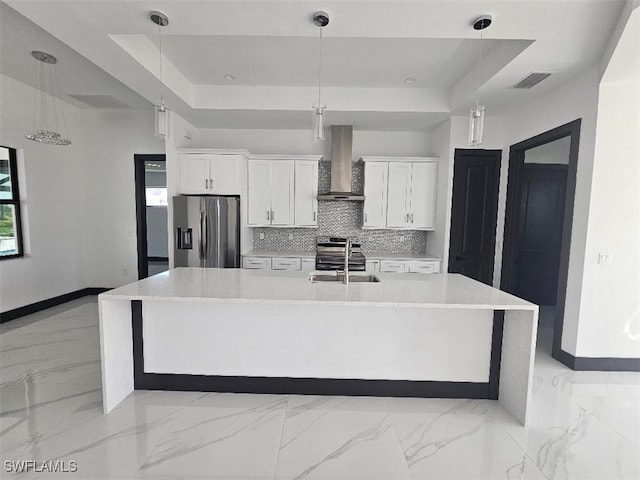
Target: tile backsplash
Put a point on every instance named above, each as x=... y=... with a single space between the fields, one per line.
x=340 y=219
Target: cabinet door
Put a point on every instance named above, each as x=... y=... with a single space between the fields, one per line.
x=194 y=173
x=423 y=196
x=259 y=203
x=308 y=264
x=224 y=174
x=398 y=195
x=375 y=194
x=282 y=178
x=306 y=193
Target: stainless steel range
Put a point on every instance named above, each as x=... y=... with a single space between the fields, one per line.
x=330 y=255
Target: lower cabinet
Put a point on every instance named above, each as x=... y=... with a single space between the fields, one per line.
x=410 y=266
x=306 y=264
x=257 y=263
x=287 y=263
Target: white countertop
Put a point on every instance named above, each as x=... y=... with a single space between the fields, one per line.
x=266 y=286
x=266 y=253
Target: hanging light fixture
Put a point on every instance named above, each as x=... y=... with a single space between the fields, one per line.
x=45 y=116
x=476 y=115
x=321 y=19
x=161 y=110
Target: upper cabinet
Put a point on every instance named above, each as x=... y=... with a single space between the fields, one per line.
x=306 y=193
x=400 y=192
x=375 y=194
x=211 y=173
x=282 y=191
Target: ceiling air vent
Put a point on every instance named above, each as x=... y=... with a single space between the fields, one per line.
x=100 y=101
x=531 y=80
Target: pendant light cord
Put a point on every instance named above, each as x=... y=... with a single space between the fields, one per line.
x=160 y=56
x=320 y=68
x=479 y=64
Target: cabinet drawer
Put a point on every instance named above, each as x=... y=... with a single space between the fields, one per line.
x=392 y=266
x=285 y=263
x=308 y=264
x=419 y=266
x=261 y=263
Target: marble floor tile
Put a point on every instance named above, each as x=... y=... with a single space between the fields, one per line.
x=327 y=438
x=463 y=442
x=585 y=425
x=221 y=441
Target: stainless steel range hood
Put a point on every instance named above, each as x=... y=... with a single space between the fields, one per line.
x=341 y=154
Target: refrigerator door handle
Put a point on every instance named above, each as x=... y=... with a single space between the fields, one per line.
x=202 y=244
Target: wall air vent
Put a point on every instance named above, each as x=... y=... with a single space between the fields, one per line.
x=531 y=80
x=100 y=101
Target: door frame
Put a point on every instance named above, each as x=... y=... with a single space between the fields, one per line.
x=141 y=208
x=514 y=191
x=497 y=156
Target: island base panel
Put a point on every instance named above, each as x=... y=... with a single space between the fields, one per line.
x=116 y=350
x=516 y=369
x=317 y=341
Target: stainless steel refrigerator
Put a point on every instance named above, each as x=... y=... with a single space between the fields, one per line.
x=207 y=231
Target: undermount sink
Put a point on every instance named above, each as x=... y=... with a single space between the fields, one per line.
x=324 y=277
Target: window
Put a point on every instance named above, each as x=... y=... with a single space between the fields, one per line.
x=10 y=225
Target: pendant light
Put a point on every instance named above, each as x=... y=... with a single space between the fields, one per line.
x=45 y=116
x=161 y=110
x=321 y=19
x=476 y=115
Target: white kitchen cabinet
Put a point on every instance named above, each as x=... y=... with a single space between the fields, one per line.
x=372 y=266
x=202 y=173
x=271 y=192
x=285 y=263
x=423 y=266
x=375 y=194
x=398 y=266
x=400 y=192
x=308 y=264
x=256 y=263
x=411 y=195
x=306 y=193
x=424 y=177
x=410 y=266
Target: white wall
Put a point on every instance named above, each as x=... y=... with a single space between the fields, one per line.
x=578 y=98
x=78 y=201
x=51 y=188
x=113 y=138
x=610 y=304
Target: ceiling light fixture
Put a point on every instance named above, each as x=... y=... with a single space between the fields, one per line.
x=46 y=81
x=321 y=19
x=161 y=110
x=229 y=76
x=476 y=115
x=409 y=80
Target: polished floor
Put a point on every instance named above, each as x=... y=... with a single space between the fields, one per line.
x=586 y=425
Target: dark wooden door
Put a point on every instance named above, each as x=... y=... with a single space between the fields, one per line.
x=476 y=176
x=539 y=233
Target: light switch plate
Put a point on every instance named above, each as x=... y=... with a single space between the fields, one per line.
x=261 y=235
x=604 y=258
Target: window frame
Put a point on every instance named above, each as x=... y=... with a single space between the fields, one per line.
x=15 y=201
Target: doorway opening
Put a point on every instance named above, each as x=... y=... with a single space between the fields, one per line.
x=151 y=214
x=539 y=215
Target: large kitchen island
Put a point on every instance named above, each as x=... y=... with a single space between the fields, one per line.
x=259 y=331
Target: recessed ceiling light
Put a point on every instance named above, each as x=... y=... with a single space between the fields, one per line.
x=230 y=76
x=409 y=80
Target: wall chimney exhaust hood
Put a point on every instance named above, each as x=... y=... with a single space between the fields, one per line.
x=341 y=154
